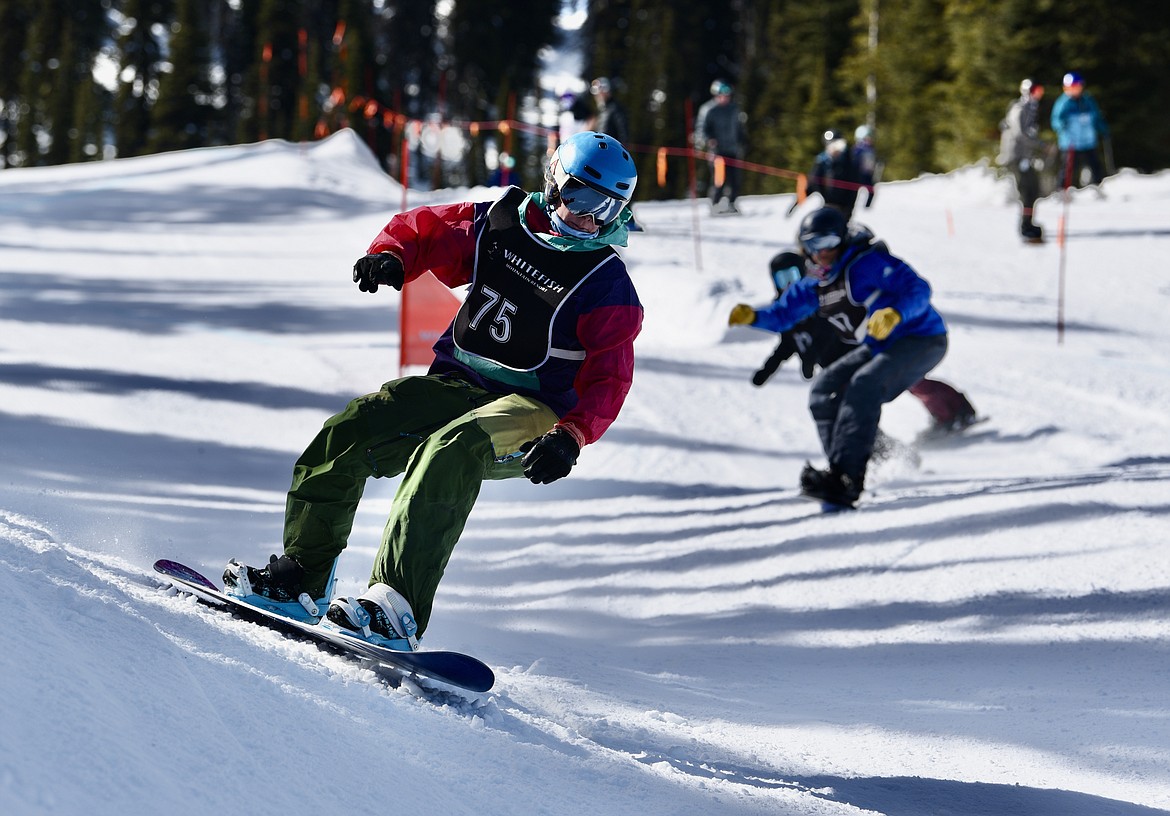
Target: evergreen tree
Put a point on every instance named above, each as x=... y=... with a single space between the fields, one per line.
x=36 y=83
x=241 y=49
x=90 y=118
x=15 y=21
x=493 y=47
x=802 y=90
x=182 y=116
x=279 y=68
x=912 y=79
x=66 y=70
x=663 y=58
x=193 y=73
x=138 y=84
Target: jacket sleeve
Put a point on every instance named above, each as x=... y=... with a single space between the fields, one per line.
x=798 y=302
x=607 y=334
x=439 y=239
x=901 y=287
x=1057 y=116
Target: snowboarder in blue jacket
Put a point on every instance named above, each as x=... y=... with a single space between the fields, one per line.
x=869 y=295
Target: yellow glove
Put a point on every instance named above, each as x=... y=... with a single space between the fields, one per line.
x=741 y=315
x=882 y=322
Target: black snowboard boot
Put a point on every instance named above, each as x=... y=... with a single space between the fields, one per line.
x=1031 y=233
x=832 y=485
x=279 y=581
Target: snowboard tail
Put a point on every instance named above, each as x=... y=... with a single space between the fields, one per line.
x=453 y=668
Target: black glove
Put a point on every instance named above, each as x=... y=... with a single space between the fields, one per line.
x=773 y=363
x=379 y=269
x=550 y=457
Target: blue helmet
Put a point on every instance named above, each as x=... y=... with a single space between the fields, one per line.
x=592 y=174
x=1073 y=78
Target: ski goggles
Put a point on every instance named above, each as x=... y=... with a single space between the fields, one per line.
x=786 y=277
x=581 y=199
x=819 y=243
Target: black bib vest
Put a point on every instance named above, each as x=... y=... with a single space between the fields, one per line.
x=520 y=284
x=838 y=307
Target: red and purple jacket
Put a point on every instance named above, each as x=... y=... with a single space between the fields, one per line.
x=582 y=366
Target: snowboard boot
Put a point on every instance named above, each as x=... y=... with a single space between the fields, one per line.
x=940 y=429
x=1030 y=232
x=279 y=581
x=833 y=485
x=380 y=615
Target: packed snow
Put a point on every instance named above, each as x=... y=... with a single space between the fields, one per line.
x=674 y=630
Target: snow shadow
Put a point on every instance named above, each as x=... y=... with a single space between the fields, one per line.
x=167 y=489
x=164 y=306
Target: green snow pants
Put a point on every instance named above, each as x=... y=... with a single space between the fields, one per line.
x=447 y=436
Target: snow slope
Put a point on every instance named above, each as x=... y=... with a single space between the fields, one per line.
x=674 y=631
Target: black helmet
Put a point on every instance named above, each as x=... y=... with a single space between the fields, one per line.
x=822 y=229
x=787 y=268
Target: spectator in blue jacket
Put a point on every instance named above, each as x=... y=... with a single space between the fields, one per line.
x=868 y=294
x=1079 y=128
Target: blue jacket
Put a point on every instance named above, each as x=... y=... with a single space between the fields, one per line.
x=870 y=279
x=1078 y=122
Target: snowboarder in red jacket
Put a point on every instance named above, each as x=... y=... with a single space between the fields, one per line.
x=535 y=366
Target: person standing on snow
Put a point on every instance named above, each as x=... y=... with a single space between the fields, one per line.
x=535 y=365
x=721 y=132
x=834 y=176
x=861 y=290
x=1021 y=152
x=611 y=116
x=1079 y=127
x=865 y=161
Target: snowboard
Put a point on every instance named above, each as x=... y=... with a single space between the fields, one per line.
x=934 y=436
x=452 y=668
x=830 y=508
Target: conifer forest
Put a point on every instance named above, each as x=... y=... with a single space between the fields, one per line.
x=87 y=80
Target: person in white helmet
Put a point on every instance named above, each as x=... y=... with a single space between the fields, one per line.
x=1021 y=152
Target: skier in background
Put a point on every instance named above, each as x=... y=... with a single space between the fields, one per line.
x=834 y=176
x=535 y=366
x=721 y=131
x=858 y=287
x=1079 y=127
x=865 y=162
x=1021 y=151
